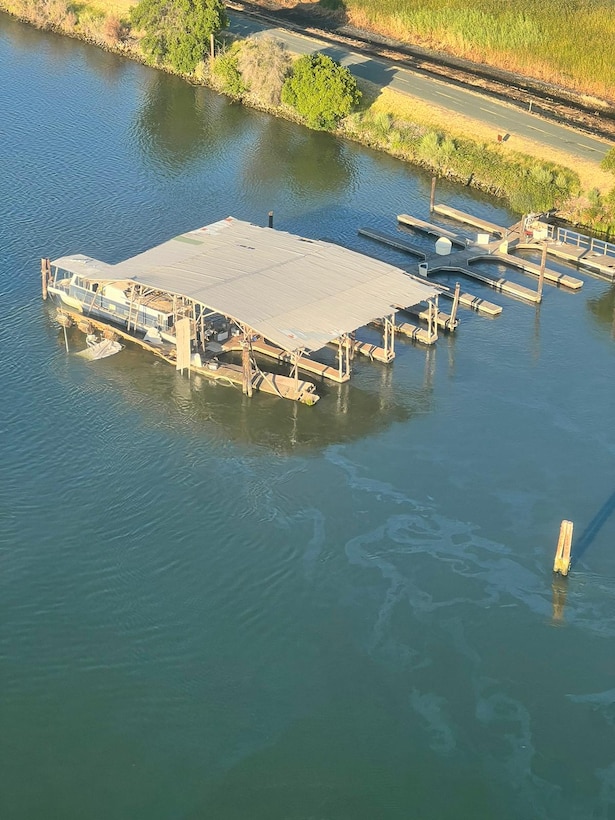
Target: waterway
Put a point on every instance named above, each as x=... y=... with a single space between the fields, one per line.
x=215 y=607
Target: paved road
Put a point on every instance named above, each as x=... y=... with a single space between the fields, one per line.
x=504 y=119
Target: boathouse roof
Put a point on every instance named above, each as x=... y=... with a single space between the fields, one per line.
x=298 y=293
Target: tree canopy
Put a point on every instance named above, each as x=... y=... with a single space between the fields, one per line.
x=178 y=31
x=321 y=90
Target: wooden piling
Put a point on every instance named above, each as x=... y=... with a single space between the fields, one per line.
x=432 y=323
x=453 y=319
x=246 y=364
x=270 y=219
x=561 y=563
x=432 y=198
x=541 y=273
x=45 y=276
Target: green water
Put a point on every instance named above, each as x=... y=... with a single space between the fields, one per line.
x=215 y=607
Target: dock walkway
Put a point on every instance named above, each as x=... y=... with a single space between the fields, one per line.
x=276 y=385
x=259 y=345
x=467 y=300
x=597 y=255
x=468 y=219
x=492 y=250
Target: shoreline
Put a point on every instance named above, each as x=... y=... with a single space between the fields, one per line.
x=351 y=128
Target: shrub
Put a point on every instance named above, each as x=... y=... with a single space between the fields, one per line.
x=608 y=163
x=264 y=65
x=91 y=24
x=321 y=91
x=226 y=74
x=113 y=30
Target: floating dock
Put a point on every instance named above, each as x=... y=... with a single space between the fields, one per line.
x=467 y=300
x=422 y=226
x=596 y=255
x=468 y=219
x=501 y=285
x=259 y=345
x=564 y=280
x=534 y=233
x=392 y=241
x=484 y=249
x=414 y=332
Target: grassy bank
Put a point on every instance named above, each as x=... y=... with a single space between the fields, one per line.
x=524 y=173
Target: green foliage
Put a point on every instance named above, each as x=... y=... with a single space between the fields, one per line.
x=264 y=65
x=608 y=163
x=527 y=184
x=321 y=91
x=226 y=72
x=178 y=31
x=91 y=23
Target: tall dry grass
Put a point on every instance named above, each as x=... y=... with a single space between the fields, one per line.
x=566 y=42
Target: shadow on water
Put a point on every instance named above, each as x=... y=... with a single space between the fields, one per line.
x=197 y=405
x=592 y=529
x=179 y=124
x=602 y=309
x=308 y=163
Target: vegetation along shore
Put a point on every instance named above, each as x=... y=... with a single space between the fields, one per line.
x=180 y=36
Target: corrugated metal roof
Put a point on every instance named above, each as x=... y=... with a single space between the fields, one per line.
x=298 y=293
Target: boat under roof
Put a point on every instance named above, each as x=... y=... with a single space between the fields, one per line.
x=298 y=293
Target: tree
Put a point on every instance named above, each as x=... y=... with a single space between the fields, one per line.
x=321 y=90
x=179 y=31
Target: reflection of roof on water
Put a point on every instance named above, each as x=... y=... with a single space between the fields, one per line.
x=298 y=293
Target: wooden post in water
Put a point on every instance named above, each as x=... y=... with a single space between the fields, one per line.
x=455 y=306
x=432 y=320
x=432 y=198
x=45 y=270
x=541 y=275
x=271 y=219
x=561 y=563
x=246 y=367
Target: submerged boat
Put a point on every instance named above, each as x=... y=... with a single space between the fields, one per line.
x=98 y=348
